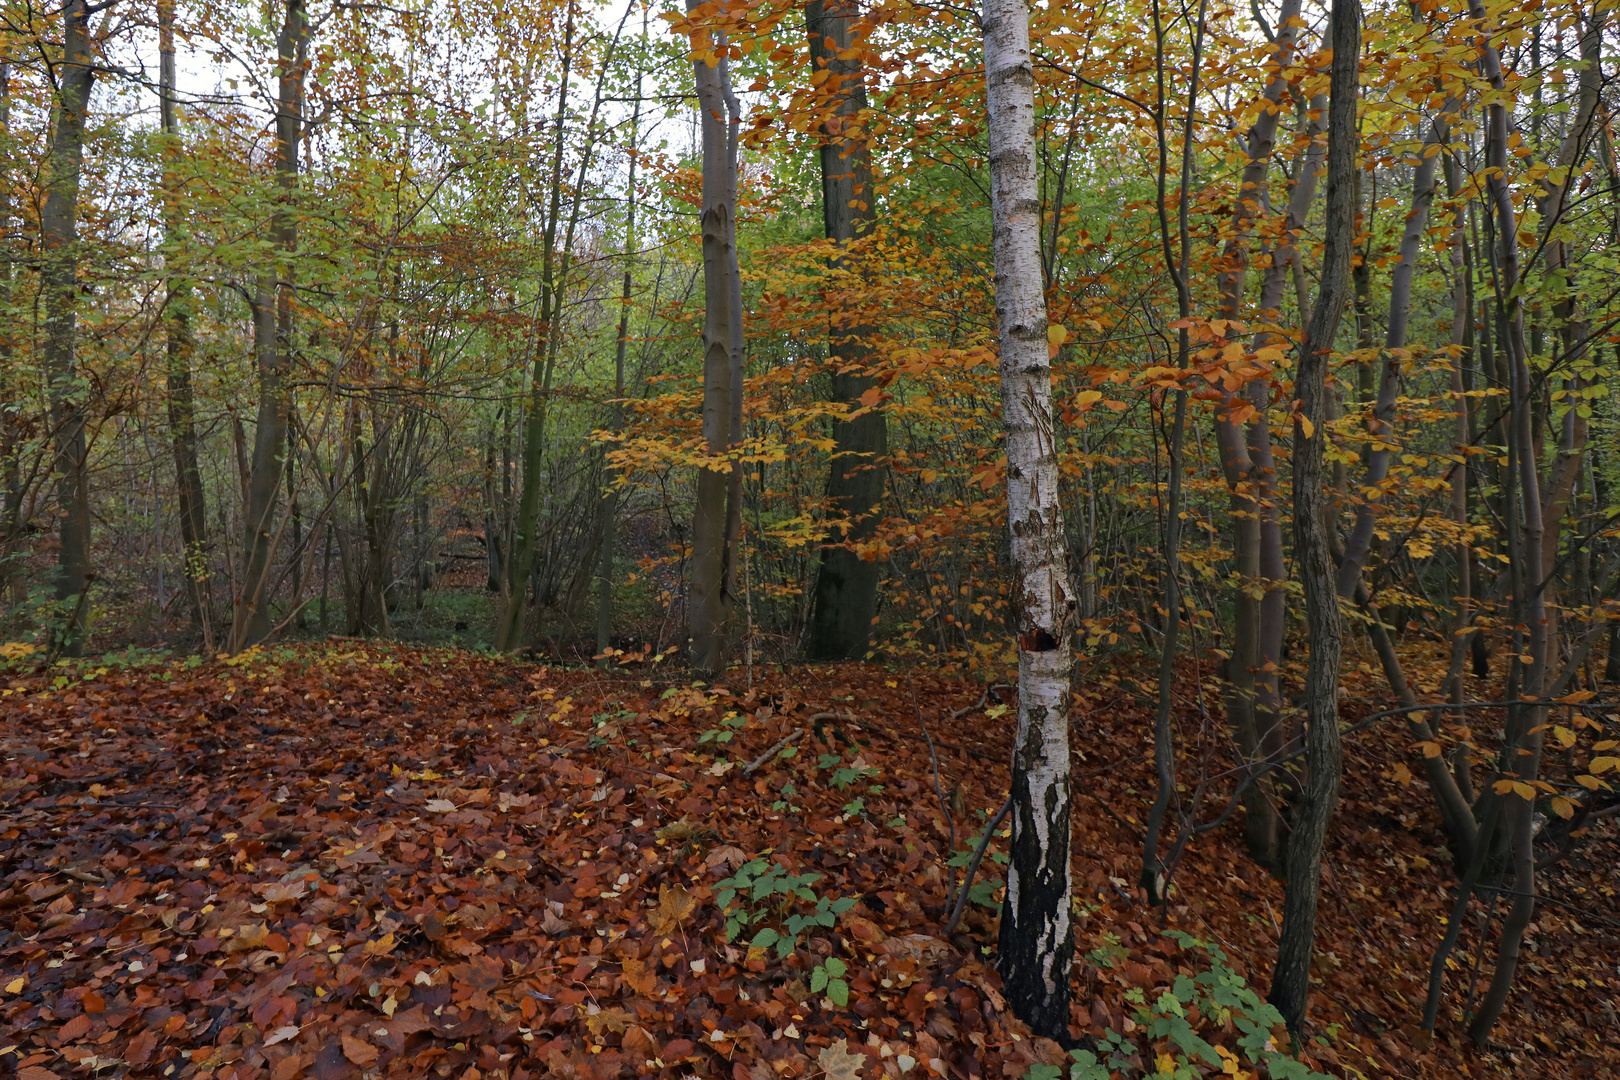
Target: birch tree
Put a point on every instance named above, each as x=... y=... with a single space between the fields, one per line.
x=1037 y=934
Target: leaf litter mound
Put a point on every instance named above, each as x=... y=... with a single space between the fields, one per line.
x=374 y=861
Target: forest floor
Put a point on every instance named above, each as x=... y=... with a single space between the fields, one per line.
x=356 y=861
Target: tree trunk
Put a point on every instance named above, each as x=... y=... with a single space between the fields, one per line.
x=1462 y=338
x=272 y=346
x=1251 y=513
x=1522 y=743
x=59 y=270
x=15 y=525
x=1290 y=983
x=708 y=600
x=1153 y=873
x=846 y=587
x=1036 y=944
x=182 y=406
x=520 y=560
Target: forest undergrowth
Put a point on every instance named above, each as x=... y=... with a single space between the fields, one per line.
x=358 y=860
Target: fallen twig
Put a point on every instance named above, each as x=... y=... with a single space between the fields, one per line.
x=754 y=766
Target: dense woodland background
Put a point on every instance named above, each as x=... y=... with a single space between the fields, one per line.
x=651 y=336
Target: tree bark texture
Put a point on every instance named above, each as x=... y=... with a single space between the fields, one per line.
x=1036 y=946
x=1290 y=983
x=272 y=346
x=708 y=602
x=59 y=271
x=847 y=585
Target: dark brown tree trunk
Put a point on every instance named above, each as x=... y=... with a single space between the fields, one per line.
x=708 y=600
x=1290 y=983
x=59 y=270
x=272 y=346
x=847 y=585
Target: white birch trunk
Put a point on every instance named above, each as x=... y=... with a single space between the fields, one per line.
x=1037 y=938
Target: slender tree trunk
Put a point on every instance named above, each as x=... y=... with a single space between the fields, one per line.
x=739 y=347
x=1312 y=515
x=492 y=531
x=1381 y=429
x=1036 y=944
x=1565 y=471
x=1462 y=339
x=1152 y=877
x=1522 y=744
x=272 y=346
x=847 y=585
x=1245 y=481
x=520 y=561
x=1265 y=832
x=708 y=601
x=12 y=394
x=555 y=265
x=59 y=270
x=182 y=405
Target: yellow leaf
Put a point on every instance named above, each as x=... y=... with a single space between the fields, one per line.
x=15 y=986
x=1306 y=426
x=1603 y=764
x=1563 y=807
x=674 y=905
x=1056 y=334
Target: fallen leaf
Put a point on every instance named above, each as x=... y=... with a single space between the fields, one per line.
x=674 y=905
x=361 y=1053
x=838 y=1063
